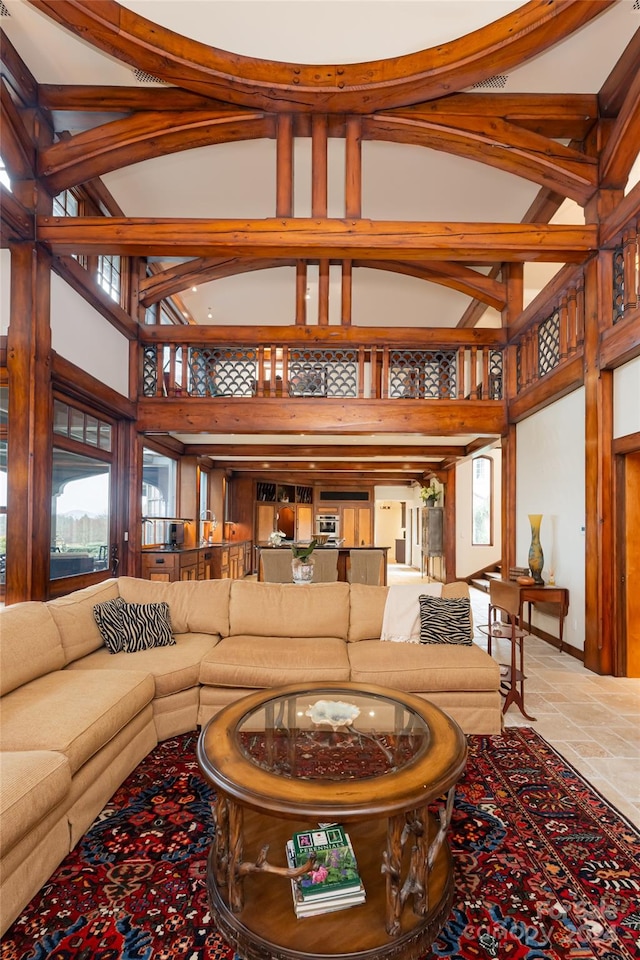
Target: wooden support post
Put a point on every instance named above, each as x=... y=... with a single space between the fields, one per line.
x=30 y=416
x=346 y=293
x=599 y=651
x=284 y=165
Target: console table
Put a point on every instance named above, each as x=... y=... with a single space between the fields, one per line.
x=535 y=594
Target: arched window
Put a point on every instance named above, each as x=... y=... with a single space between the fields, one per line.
x=482 y=501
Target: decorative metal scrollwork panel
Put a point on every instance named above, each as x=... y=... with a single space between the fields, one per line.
x=150 y=370
x=422 y=374
x=618 y=284
x=549 y=344
x=323 y=373
x=222 y=371
x=495 y=375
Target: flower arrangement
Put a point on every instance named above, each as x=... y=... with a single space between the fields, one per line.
x=431 y=494
x=275 y=539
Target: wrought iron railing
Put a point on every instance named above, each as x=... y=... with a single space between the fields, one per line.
x=344 y=372
x=554 y=336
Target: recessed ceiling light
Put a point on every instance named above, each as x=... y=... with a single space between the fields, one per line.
x=194 y=289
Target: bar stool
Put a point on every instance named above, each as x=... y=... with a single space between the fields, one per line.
x=504 y=623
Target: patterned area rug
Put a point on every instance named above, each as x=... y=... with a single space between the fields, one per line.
x=545 y=868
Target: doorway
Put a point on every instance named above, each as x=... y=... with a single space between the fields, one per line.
x=628 y=563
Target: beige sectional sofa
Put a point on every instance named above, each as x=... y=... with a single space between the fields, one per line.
x=75 y=719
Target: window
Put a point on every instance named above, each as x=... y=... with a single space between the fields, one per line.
x=481 y=493
x=80 y=515
x=109 y=275
x=4 y=176
x=65 y=205
x=80 y=492
x=159 y=497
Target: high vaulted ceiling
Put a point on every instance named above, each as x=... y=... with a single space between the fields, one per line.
x=492 y=128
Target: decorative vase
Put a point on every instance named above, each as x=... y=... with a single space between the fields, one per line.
x=302 y=570
x=536 y=556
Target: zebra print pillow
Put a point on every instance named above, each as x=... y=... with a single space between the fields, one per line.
x=445 y=620
x=146 y=625
x=108 y=616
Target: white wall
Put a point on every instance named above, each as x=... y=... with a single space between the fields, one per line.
x=550 y=472
x=626 y=399
x=470 y=558
x=5 y=290
x=82 y=335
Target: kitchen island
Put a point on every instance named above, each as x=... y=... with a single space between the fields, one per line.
x=344 y=558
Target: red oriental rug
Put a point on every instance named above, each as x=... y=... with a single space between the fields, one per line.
x=545 y=867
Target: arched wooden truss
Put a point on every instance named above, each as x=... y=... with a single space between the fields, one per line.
x=219 y=97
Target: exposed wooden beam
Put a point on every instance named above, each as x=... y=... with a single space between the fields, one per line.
x=86 y=285
x=347 y=88
x=142 y=136
x=435 y=418
x=453 y=275
x=621 y=149
x=17 y=74
x=17 y=222
x=352 y=467
x=312 y=451
x=624 y=212
x=494 y=142
x=363 y=239
x=614 y=90
x=327 y=336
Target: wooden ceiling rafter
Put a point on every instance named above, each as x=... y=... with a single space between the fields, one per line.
x=489 y=140
x=312 y=451
x=205 y=270
x=315 y=237
x=347 y=88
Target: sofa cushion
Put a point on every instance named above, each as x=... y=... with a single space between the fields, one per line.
x=366 y=611
x=199 y=606
x=174 y=668
x=108 y=616
x=420 y=667
x=74 y=712
x=250 y=661
x=367 y=607
x=289 y=609
x=145 y=626
x=74 y=617
x=31 y=644
x=445 y=620
x=32 y=783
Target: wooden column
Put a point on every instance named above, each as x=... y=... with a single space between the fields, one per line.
x=30 y=417
x=319 y=203
x=513 y=275
x=284 y=166
x=599 y=652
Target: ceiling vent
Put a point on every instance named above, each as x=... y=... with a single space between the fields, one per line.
x=498 y=82
x=3 y=10
x=636 y=5
x=143 y=76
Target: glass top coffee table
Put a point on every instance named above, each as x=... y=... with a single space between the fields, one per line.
x=382 y=763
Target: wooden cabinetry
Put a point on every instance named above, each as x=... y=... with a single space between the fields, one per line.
x=285 y=507
x=218 y=561
x=433 y=542
x=170 y=565
x=356 y=526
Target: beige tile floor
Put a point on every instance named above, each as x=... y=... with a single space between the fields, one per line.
x=592 y=721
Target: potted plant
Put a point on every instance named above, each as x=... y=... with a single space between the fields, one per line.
x=431 y=494
x=302 y=561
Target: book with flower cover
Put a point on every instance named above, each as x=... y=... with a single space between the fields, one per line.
x=328 y=902
x=335 y=869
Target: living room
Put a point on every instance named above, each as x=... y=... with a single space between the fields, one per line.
x=378 y=282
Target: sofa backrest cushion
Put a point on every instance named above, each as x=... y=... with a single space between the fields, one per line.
x=74 y=617
x=367 y=608
x=195 y=606
x=289 y=610
x=30 y=644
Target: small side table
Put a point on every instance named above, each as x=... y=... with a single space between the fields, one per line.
x=536 y=593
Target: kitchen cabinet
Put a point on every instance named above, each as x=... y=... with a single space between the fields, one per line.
x=217 y=561
x=356 y=526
